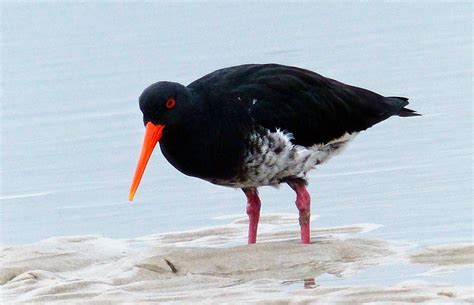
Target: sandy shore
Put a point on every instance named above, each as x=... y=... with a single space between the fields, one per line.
x=213 y=265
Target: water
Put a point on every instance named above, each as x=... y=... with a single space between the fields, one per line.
x=72 y=130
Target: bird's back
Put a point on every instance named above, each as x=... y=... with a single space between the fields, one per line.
x=313 y=108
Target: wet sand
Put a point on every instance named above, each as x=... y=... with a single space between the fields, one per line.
x=213 y=265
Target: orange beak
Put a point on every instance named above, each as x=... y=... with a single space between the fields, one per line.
x=153 y=134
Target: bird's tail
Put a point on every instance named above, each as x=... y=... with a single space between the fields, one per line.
x=405 y=112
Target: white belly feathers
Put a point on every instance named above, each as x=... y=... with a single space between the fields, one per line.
x=272 y=158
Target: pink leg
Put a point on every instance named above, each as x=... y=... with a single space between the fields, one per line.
x=253 y=210
x=303 y=203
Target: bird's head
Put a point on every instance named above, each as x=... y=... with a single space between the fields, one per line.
x=163 y=104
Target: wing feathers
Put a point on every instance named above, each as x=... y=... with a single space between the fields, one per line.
x=313 y=108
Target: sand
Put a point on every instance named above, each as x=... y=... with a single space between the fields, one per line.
x=213 y=265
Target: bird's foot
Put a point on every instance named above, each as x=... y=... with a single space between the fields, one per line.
x=305 y=235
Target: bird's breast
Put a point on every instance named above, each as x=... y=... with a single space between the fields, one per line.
x=204 y=152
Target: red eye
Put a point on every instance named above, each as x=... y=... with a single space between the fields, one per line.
x=170 y=102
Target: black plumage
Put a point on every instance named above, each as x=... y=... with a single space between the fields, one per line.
x=206 y=135
x=315 y=109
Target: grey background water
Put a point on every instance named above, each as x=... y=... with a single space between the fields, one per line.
x=72 y=130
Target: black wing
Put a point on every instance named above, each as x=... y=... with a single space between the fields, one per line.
x=315 y=109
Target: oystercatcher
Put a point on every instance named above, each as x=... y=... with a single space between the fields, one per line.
x=255 y=125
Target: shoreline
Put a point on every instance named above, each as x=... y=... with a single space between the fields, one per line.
x=209 y=265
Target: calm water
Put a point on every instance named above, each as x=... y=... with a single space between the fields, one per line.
x=72 y=130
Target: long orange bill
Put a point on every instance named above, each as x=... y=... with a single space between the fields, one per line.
x=152 y=136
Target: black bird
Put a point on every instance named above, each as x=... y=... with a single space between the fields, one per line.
x=255 y=125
